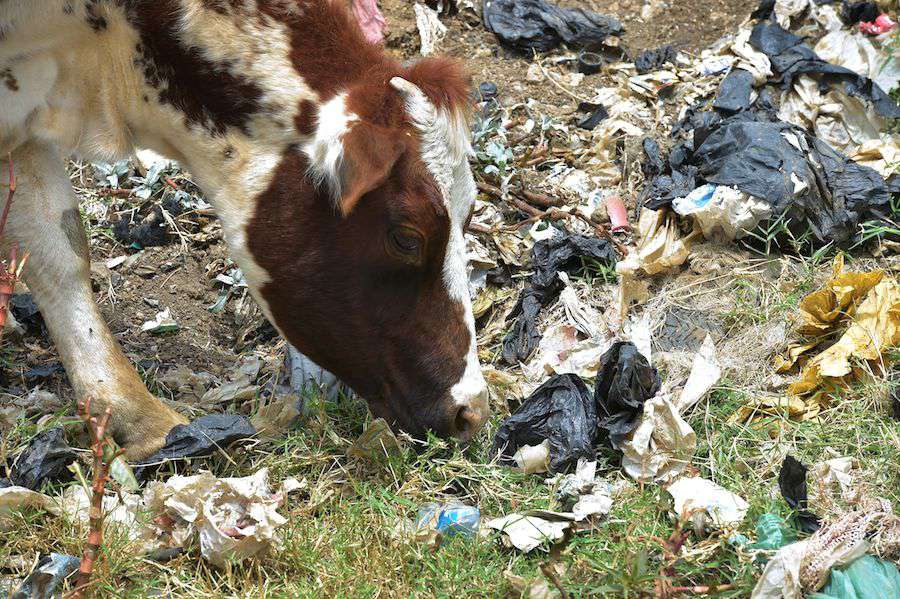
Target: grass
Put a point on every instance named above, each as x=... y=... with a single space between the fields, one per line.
x=340 y=537
x=339 y=540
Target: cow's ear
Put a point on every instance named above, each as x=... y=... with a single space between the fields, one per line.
x=369 y=155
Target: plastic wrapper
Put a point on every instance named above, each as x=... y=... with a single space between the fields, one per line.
x=46 y=459
x=625 y=380
x=526 y=25
x=560 y=411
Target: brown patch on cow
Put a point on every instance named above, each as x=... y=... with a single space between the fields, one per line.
x=12 y=84
x=70 y=222
x=329 y=51
x=305 y=121
x=386 y=327
x=327 y=47
x=443 y=80
x=209 y=94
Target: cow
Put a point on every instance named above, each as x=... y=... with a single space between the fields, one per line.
x=340 y=177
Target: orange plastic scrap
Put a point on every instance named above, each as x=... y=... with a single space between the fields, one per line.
x=874 y=329
x=823 y=309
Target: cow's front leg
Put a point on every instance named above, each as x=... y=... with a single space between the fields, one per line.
x=44 y=220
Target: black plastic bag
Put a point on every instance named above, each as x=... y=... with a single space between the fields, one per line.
x=792 y=482
x=666 y=180
x=524 y=336
x=27 y=313
x=790 y=57
x=526 y=25
x=561 y=411
x=734 y=92
x=46 y=459
x=625 y=380
x=548 y=257
x=152 y=230
x=757 y=158
x=814 y=187
x=199 y=438
x=50 y=571
x=597 y=114
x=859 y=12
x=653 y=60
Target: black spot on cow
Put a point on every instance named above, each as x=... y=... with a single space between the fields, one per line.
x=12 y=84
x=94 y=19
x=211 y=94
x=228 y=152
x=68 y=8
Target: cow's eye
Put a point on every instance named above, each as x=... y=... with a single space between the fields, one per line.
x=407 y=242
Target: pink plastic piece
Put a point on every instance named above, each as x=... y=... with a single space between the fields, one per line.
x=882 y=24
x=617 y=214
x=370 y=19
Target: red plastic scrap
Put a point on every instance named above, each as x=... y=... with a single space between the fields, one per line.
x=882 y=24
x=618 y=216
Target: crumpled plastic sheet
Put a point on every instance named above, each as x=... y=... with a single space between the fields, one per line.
x=49 y=573
x=752 y=151
x=723 y=213
x=724 y=508
x=45 y=459
x=561 y=411
x=527 y=532
x=792 y=483
x=837 y=472
x=734 y=92
x=527 y=25
x=549 y=257
x=561 y=351
x=201 y=437
x=663 y=443
x=233 y=518
x=651 y=60
x=865 y=578
x=536 y=527
x=847 y=124
x=790 y=57
x=625 y=380
x=870 y=302
x=805 y=566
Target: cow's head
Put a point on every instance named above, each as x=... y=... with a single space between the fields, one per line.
x=361 y=235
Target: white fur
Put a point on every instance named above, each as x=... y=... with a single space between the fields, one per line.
x=445 y=150
x=325 y=150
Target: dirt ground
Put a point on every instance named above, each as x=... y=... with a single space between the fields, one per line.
x=182 y=279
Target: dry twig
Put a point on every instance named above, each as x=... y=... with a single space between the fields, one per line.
x=11 y=269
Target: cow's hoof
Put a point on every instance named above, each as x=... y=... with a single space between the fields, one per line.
x=152 y=435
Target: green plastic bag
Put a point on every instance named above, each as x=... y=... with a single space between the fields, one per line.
x=865 y=578
x=772 y=532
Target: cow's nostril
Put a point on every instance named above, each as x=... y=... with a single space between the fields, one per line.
x=467 y=423
x=463 y=423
